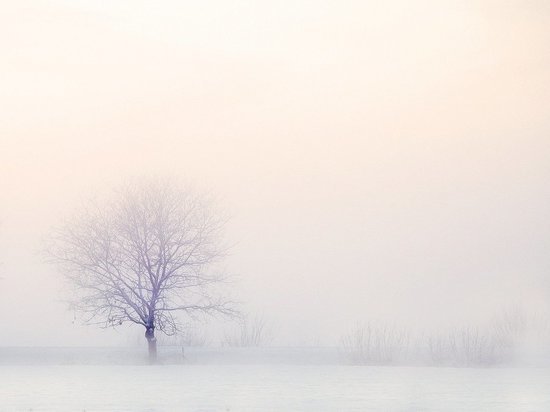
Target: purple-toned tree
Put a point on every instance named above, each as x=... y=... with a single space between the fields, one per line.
x=147 y=253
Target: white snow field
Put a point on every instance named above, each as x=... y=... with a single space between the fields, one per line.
x=50 y=384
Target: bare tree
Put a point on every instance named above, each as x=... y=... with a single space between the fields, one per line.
x=142 y=256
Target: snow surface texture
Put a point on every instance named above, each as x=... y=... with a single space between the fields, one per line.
x=268 y=386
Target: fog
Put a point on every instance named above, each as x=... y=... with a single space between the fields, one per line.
x=382 y=161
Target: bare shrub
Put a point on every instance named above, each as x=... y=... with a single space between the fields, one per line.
x=539 y=330
x=368 y=344
x=250 y=332
x=190 y=337
x=195 y=338
x=510 y=330
x=463 y=347
x=475 y=347
x=520 y=336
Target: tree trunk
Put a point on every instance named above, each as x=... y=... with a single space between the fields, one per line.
x=152 y=344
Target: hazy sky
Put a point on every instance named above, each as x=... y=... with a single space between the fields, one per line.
x=382 y=159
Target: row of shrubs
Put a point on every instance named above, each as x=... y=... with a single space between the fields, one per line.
x=247 y=332
x=503 y=340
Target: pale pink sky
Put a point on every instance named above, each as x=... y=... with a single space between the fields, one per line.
x=381 y=159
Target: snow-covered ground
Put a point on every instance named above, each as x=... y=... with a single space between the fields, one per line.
x=270 y=385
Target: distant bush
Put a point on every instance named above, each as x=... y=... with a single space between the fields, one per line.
x=463 y=347
x=189 y=337
x=509 y=337
x=518 y=334
x=249 y=332
x=510 y=330
x=369 y=344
